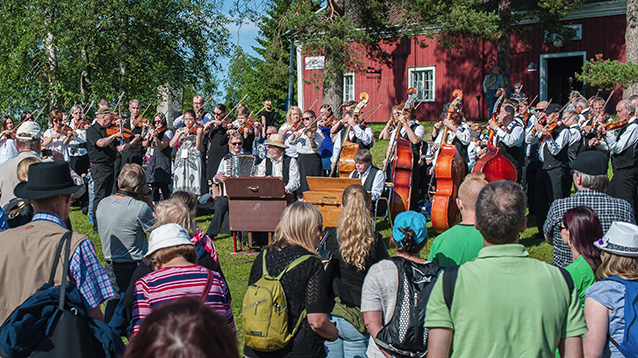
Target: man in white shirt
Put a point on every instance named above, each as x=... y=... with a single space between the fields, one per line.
x=355 y=133
x=372 y=178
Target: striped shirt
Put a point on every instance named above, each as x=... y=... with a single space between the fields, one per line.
x=171 y=283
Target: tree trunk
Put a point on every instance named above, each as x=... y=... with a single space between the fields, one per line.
x=332 y=83
x=503 y=56
x=85 y=76
x=631 y=42
x=51 y=57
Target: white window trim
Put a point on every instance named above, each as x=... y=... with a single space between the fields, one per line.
x=346 y=74
x=424 y=68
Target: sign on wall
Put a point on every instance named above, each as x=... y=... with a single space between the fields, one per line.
x=314 y=63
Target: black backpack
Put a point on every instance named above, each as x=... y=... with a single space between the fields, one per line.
x=404 y=334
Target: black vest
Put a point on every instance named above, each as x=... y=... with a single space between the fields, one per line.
x=285 y=171
x=344 y=133
x=629 y=157
x=513 y=154
x=370 y=179
x=416 y=148
x=576 y=148
x=559 y=160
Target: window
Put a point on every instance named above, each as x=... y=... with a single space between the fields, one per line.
x=348 y=86
x=422 y=78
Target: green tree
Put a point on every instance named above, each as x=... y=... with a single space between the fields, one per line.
x=65 y=52
x=608 y=75
x=243 y=82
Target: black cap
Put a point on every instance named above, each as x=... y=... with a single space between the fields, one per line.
x=552 y=108
x=591 y=162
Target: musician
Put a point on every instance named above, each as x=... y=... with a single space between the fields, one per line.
x=102 y=154
x=355 y=132
x=79 y=156
x=245 y=126
x=622 y=143
x=340 y=124
x=581 y=107
x=307 y=141
x=292 y=118
x=201 y=116
x=510 y=133
x=136 y=153
x=53 y=139
x=221 y=202
x=597 y=115
x=216 y=143
x=325 y=122
x=277 y=164
x=386 y=133
x=158 y=171
x=553 y=181
x=7 y=140
x=518 y=92
x=576 y=141
x=459 y=135
x=188 y=161
x=372 y=178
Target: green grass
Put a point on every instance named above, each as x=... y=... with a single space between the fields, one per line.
x=237 y=266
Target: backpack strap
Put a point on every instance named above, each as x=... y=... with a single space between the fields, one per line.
x=65 y=269
x=296 y=262
x=568 y=279
x=209 y=282
x=449 y=281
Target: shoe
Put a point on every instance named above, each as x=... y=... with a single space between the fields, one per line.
x=90 y=220
x=95 y=229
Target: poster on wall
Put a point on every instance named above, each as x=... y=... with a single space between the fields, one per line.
x=314 y=63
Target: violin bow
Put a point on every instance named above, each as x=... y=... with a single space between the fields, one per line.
x=147 y=107
x=251 y=113
x=425 y=95
x=39 y=113
x=373 y=109
x=532 y=102
x=237 y=105
x=86 y=111
x=313 y=103
x=119 y=101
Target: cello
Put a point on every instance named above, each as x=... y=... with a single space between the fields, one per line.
x=494 y=164
x=449 y=172
x=346 y=163
x=402 y=165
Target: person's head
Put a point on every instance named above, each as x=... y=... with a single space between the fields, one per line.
x=235 y=141
x=276 y=146
x=354 y=232
x=159 y=121
x=580 y=104
x=500 y=212
x=55 y=118
x=348 y=118
x=23 y=167
x=174 y=211
x=187 y=198
x=325 y=111
x=362 y=160
x=409 y=232
x=293 y=116
x=167 y=242
x=183 y=328
x=570 y=118
x=268 y=105
x=579 y=229
x=308 y=117
x=104 y=116
x=396 y=111
x=28 y=137
x=348 y=106
x=132 y=178
x=270 y=130
x=597 y=105
x=590 y=170
x=189 y=118
x=542 y=105
x=76 y=112
x=7 y=123
x=625 y=110
x=219 y=111
x=523 y=106
x=619 y=254
x=242 y=114
x=301 y=225
x=198 y=102
x=518 y=87
x=134 y=108
x=103 y=103
x=26 y=116
x=633 y=99
x=496 y=69
x=506 y=116
x=468 y=192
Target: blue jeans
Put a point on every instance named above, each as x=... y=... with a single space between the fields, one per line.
x=351 y=343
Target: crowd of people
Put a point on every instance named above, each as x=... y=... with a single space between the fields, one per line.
x=344 y=296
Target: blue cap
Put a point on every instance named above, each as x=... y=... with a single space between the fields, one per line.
x=410 y=220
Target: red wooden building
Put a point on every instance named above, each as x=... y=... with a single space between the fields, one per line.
x=545 y=69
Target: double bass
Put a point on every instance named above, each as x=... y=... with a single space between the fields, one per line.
x=494 y=164
x=449 y=172
x=402 y=165
x=346 y=163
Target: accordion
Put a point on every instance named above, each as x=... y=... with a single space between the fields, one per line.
x=240 y=166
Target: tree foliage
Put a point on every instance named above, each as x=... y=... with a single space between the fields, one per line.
x=65 y=52
x=607 y=74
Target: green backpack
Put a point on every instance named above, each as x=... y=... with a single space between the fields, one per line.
x=265 y=311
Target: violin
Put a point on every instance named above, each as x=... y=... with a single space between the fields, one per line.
x=194 y=128
x=126 y=133
x=65 y=130
x=82 y=123
x=12 y=134
x=249 y=124
x=329 y=121
x=615 y=125
x=140 y=121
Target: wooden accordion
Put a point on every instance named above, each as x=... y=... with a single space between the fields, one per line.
x=240 y=166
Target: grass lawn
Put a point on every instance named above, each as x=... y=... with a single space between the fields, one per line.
x=237 y=266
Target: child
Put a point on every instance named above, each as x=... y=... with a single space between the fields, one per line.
x=605 y=300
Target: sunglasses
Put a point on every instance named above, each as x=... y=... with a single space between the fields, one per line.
x=236 y=143
x=218 y=113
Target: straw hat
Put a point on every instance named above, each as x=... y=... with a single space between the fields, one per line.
x=276 y=140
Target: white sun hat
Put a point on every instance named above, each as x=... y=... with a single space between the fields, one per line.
x=621 y=239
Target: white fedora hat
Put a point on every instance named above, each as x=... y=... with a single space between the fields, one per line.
x=621 y=239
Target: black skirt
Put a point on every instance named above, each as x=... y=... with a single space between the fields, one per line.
x=309 y=166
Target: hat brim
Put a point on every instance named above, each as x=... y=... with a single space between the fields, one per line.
x=614 y=251
x=283 y=146
x=21 y=191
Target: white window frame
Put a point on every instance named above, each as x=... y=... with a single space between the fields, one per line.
x=432 y=90
x=348 y=96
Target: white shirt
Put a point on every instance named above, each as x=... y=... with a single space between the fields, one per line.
x=294 y=181
x=57 y=144
x=553 y=145
x=463 y=133
x=365 y=135
x=514 y=133
x=616 y=144
x=377 y=185
x=303 y=144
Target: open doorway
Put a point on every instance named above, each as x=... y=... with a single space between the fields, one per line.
x=558 y=75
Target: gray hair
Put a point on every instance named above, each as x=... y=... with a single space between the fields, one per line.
x=133 y=101
x=500 y=212
x=580 y=101
x=594 y=182
x=24 y=143
x=630 y=107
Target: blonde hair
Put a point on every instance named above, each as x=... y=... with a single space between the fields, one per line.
x=354 y=232
x=297 y=226
x=162 y=256
x=289 y=114
x=624 y=267
x=175 y=211
x=470 y=189
x=23 y=167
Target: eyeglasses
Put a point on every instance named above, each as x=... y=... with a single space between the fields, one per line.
x=198 y=102
x=159 y=121
x=307 y=118
x=563 y=227
x=218 y=113
x=235 y=143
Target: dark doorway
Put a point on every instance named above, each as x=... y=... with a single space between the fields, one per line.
x=561 y=77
